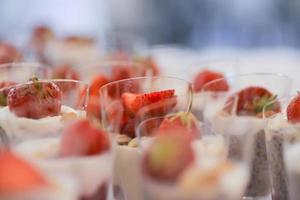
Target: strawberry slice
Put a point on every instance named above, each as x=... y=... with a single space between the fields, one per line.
x=167 y=157
x=251 y=101
x=17 y=175
x=293 y=110
x=134 y=102
x=183 y=122
x=206 y=76
x=35 y=99
x=82 y=138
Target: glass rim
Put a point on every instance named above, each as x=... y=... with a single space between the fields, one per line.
x=201 y=125
x=24 y=64
x=108 y=62
x=286 y=77
x=51 y=80
x=101 y=90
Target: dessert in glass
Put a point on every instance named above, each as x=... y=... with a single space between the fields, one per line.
x=209 y=71
x=45 y=122
x=127 y=102
x=126 y=46
x=240 y=111
x=282 y=138
x=9 y=53
x=182 y=159
x=22 y=179
x=101 y=73
x=73 y=50
x=14 y=73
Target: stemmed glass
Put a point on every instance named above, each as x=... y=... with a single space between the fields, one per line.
x=282 y=139
x=45 y=122
x=239 y=110
x=205 y=169
x=117 y=120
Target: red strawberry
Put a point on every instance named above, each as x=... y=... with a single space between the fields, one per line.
x=93 y=107
x=167 y=157
x=120 y=72
x=35 y=99
x=251 y=101
x=293 y=110
x=96 y=84
x=207 y=76
x=41 y=34
x=79 y=39
x=82 y=138
x=149 y=63
x=9 y=53
x=134 y=102
x=65 y=72
x=5 y=87
x=17 y=175
x=182 y=122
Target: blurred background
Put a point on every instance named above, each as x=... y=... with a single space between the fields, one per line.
x=194 y=23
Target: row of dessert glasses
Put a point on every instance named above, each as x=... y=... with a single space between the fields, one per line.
x=138 y=107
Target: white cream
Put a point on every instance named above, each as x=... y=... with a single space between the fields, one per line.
x=223 y=123
x=21 y=128
x=90 y=172
x=74 y=53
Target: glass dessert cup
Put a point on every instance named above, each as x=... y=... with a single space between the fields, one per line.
x=63 y=100
x=282 y=139
x=239 y=110
x=206 y=171
x=39 y=121
x=73 y=50
x=22 y=179
x=118 y=120
x=101 y=73
x=204 y=72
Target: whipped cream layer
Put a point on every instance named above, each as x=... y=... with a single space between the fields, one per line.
x=21 y=128
x=74 y=53
x=224 y=123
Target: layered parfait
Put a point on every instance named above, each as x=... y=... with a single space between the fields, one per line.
x=239 y=113
x=45 y=122
x=204 y=172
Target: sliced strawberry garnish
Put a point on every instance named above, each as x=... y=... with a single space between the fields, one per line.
x=207 y=76
x=17 y=175
x=251 y=101
x=183 y=123
x=293 y=110
x=167 y=157
x=134 y=102
x=82 y=138
x=5 y=87
x=35 y=99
